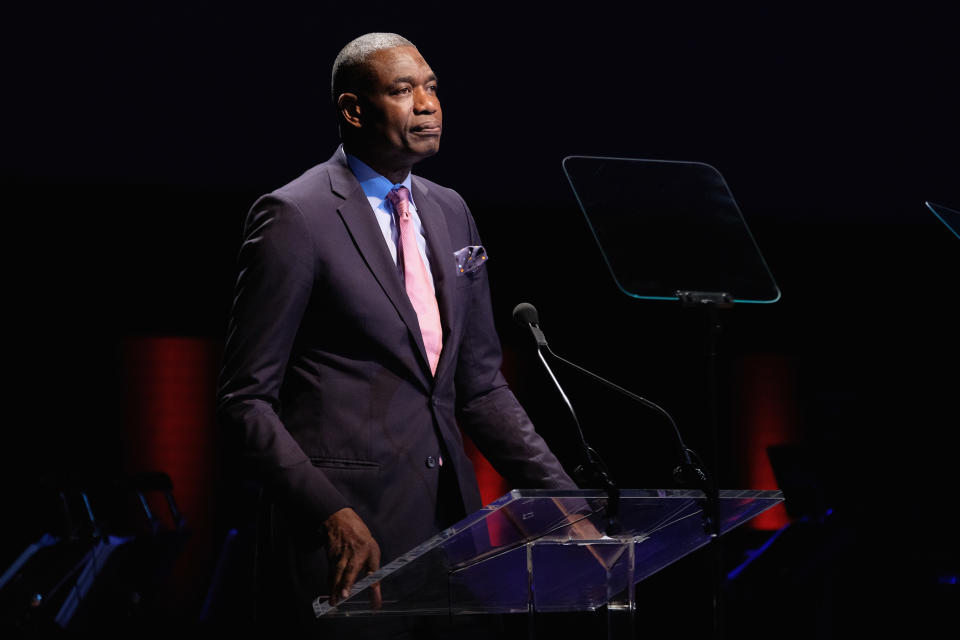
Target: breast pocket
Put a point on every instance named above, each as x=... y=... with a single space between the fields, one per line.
x=465 y=280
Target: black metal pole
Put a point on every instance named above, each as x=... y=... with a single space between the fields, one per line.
x=712 y=487
x=711 y=304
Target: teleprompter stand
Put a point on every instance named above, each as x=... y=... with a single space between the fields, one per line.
x=540 y=551
x=672 y=231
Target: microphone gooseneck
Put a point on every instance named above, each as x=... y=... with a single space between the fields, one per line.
x=525 y=314
x=688 y=472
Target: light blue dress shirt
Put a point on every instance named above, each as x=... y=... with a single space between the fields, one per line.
x=376 y=187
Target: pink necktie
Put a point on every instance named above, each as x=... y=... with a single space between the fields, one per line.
x=417 y=280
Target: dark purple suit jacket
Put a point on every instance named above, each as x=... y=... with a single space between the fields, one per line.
x=325 y=388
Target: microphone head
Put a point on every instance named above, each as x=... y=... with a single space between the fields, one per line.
x=525 y=314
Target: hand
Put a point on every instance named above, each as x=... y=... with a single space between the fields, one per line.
x=350 y=550
x=583 y=528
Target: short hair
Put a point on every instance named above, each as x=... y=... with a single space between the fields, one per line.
x=350 y=64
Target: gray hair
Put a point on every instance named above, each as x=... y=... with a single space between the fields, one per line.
x=350 y=63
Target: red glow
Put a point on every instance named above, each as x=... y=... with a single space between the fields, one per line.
x=170 y=412
x=492 y=486
x=169 y=427
x=768 y=407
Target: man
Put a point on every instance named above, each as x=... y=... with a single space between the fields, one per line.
x=358 y=343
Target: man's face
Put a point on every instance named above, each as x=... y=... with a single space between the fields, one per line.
x=400 y=109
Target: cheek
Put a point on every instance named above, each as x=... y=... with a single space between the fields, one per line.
x=399 y=123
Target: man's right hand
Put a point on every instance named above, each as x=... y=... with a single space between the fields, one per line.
x=350 y=550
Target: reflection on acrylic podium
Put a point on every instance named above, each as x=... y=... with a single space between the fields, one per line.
x=540 y=551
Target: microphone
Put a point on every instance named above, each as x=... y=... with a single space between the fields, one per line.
x=687 y=473
x=526 y=315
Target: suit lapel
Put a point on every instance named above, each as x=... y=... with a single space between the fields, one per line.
x=441 y=261
x=363 y=228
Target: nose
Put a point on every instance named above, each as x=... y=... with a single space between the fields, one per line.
x=425 y=101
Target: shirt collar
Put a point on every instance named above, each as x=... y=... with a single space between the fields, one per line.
x=373 y=184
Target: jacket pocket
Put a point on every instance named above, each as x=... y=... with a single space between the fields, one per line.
x=343 y=463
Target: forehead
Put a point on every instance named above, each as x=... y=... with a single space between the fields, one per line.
x=387 y=65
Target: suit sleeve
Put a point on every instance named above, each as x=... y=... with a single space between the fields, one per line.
x=275 y=281
x=487 y=409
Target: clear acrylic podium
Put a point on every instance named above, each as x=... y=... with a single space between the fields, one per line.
x=544 y=551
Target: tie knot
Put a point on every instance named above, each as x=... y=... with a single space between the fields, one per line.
x=399 y=197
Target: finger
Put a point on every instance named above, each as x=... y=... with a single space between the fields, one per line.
x=373 y=563
x=348 y=578
x=336 y=576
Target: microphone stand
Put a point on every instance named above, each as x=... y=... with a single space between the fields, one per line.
x=597 y=469
x=687 y=473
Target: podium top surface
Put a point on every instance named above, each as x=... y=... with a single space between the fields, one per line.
x=546 y=549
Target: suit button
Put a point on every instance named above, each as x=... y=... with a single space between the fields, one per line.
x=431 y=462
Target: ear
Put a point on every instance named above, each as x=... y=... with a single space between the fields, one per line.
x=348 y=104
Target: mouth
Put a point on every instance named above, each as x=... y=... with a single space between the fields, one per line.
x=427 y=128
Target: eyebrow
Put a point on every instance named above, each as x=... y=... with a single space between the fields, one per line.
x=410 y=80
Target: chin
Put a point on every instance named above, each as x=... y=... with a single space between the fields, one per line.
x=425 y=151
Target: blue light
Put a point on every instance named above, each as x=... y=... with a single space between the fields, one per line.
x=756 y=553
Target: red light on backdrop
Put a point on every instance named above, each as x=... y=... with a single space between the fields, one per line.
x=169 y=417
x=492 y=486
x=768 y=410
x=169 y=427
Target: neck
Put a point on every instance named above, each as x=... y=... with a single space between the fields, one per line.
x=393 y=170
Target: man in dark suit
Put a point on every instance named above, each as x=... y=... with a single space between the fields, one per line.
x=345 y=408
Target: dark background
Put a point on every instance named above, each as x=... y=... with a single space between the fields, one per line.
x=137 y=135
